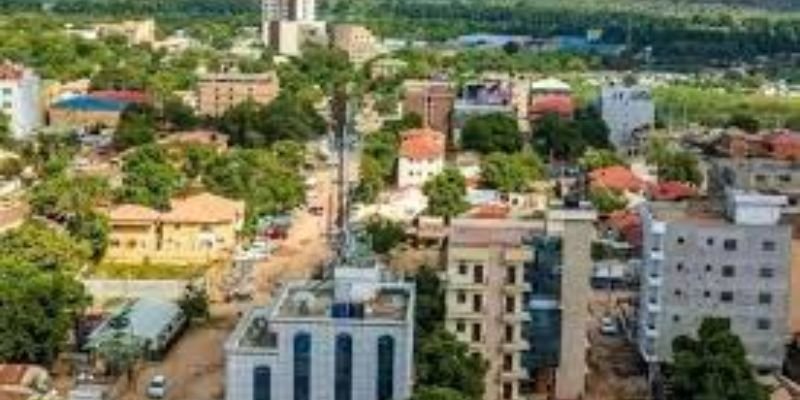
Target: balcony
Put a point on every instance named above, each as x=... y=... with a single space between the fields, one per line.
x=515 y=317
x=654 y=280
x=657 y=255
x=653 y=307
x=659 y=227
x=514 y=375
x=516 y=255
x=515 y=346
x=465 y=313
x=516 y=288
x=650 y=331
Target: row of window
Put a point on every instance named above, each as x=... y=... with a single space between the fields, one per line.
x=477 y=273
x=727 y=296
x=509 y=335
x=477 y=302
x=729 y=271
x=732 y=244
x=343 y=369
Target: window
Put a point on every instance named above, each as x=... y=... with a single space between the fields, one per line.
x=768 y=245
x=343 y=379
x=726 y=297
x=765 y=298
x=511 y=304
x=508 y=362
x=708 y=268
x=508 y=390
x=477 y=303
x=681 y=240
x=679 y=267
x=678 y=293
x=462 y=269
x=710 y=241
x=478 y=274
x=785 y=178
x=766 y=272
x=385 y=367
x=509 y=333
x=706 y=294
x=511 y=275
x=461 y=297
x=729 y=244
x=676 y=318
x=460 y=327
x=728 y=271
x=262 y=383
x=760 y=178
x=763 y=324
x=476 y=332
x=302 y=366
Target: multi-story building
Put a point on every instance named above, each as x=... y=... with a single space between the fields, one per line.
x=348 y=338
x=198 y=229
x=731 y=263
x=421 y=157
x=480 y=98
x=135 y=32
x=355 y=40
x=216 y=93
x=287 y=24
x=756 y=174
x=289 y=10
x=629 y=112
x=19 y=99
x=505 y=280
x=432 y=101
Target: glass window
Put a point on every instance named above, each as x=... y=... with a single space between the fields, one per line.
x=344 y=367
x=726 y=297
x=768 y=245
x=478 y=274
x=765 y=298
x=511 y=275
x=302 y=366
x=262 y=383
x=477 y=303
x=476 y=332
x=462 y=269
x=461 y=297
x=766 y=272
x=763 y=324
x=728 y=271
x=730 y=244
x=460 y=327
x=385 y=367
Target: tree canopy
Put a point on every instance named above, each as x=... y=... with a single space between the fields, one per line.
x=607 y=200
x=384 y=234
x=137 y=126
x=489 y=133
x=150 y=179
x=288 y=117
x=555 y=137
x=47 y=249
x=594 y=159
x=446 y=193
x=713 y=366
x=511 y=172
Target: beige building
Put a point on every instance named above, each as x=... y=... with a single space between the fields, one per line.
x=387 y=68
x=216 y=93
x=505 y=278
x=197 y=229
x=357 y=41
x=135 y=32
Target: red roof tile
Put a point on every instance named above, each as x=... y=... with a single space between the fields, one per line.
x=616 y=177
x=127 y=96
x=559 y=104
x=672 y=191
x=490 y=211
x=423 y=143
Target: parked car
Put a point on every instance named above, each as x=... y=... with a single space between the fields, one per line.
x=157 y=388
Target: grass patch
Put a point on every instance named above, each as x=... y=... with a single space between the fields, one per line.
x=147 y=271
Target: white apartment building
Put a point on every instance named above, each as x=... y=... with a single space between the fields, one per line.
x=421 y=157
x=19 y=99
x=629 y=112
x=348 y=338
x=287 y=24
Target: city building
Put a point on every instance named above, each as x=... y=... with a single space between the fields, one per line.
x=216 y=93
x=481 y=98
x=432 y=101
x=289 y=10
x=86 y=111
x=629 y=112
x=550 y=96
x=202 y=228
x=699 y=261
x=765 y=175
x=357 y=41
x=287 y=24
x=505 y=279
x=617 y=178
x=135 y=32
x=19 y=99
x=421 y=157
x=350 y=337
x=778 y=145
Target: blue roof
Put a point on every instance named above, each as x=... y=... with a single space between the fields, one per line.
x=89 y=103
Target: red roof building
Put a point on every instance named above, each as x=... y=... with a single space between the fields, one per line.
x=422 y=144
x=616 y=177
x=672 y=191
x=783 y=145
x=558 y=104
x=629 y=226
x=125 y=96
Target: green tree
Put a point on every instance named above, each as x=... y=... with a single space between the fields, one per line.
x=136 y=127
x=10 y=167
x=121 y=351
x=489 y=133
x=384 y=234
x=437 y=393
x=554 y=137
x=175 y=114
x=745 y=122
x=91 y=227
x=713 y=366
x=196 y=158
x=5 y=130
x=430 y=311
x=382 y=147
x=60 y=196
x=149 y=178
x=290 y=152
x=242 y=123
x=288 y=117
x=47 y=249
x=594 y=159
x=371 y=180
x=446 y=192
x=194 y=303
x=511 y=172
x=607 y=200
x=681 y=166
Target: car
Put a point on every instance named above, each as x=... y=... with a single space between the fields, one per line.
x=157 y=388
x=608 y=326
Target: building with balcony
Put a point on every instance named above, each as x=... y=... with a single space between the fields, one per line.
x=504 y=283
x=347 y=338
x=197 y=229
x=216 y=93
x=701 y=262
x=19 y=99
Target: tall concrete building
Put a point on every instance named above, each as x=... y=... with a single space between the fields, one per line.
x=216 y=93
x=19 y=99
x=349 y=338
x=289 y=10
x=287 y=24
x=629 y=112
x=505 y=280
x=432 y=101
x=731 y=263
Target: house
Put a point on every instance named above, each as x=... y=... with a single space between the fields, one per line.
x=202 y=228
x=387 y=68
x=552 y=104
x=421 y=156
x=671 y=191
x=489 y=96
x=629 y=112
x=87 y=111
x=134 y=32
x=357 y=41
x=617 y=178
x=19 y=99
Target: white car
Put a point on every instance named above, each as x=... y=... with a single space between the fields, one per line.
x=608 y=326
x=157 y=388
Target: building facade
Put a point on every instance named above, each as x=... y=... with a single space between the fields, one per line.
x=199 y=229
x=216 y=93
x=19 y=99
x=421 y=157
x=432 y=101
x=759 y=174
x=503 y=298
x=629 y=112
x=349 y=338
x=700 y=263
x=135 y=32
x=355 y=40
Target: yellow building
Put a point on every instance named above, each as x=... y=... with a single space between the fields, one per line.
x=198 y=229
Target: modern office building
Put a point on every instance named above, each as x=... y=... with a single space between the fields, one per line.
x=629 y=112
x=432 y=100
x=505 y=280
x=19 y=99
x=731 y=262
x=216 y=93
x=348 y=338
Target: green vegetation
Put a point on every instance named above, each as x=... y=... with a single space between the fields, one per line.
x=288 y=117
x=607 y=200
x=146 y=271
x=149 y=179
x=713 y=366
x=194 y=303
x=672 y=163
x=511 y=172
x=136 y=127
x=446 y=193
x=47 y=249
x=554 y=137
x=384 y=234
x=593 y=159
x=491 y=133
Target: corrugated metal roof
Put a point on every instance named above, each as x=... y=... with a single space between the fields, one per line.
x=146 y=319
x=89 y=103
